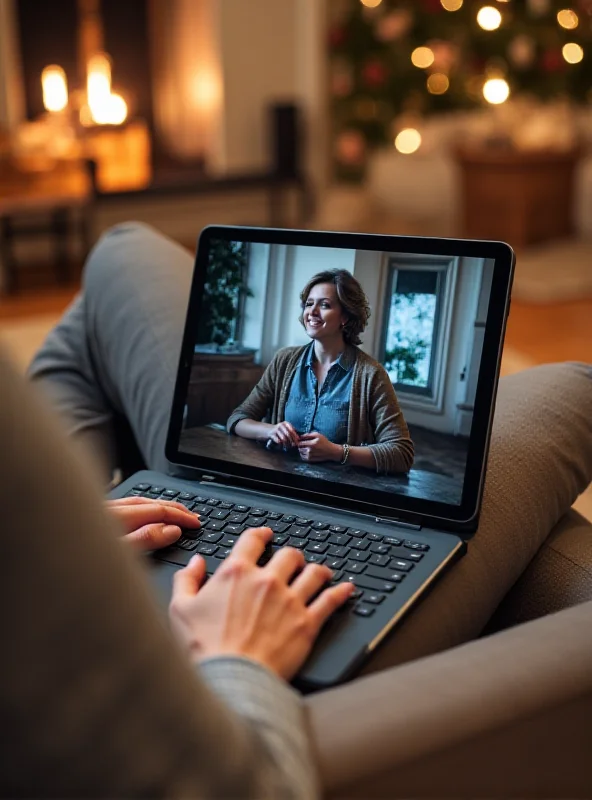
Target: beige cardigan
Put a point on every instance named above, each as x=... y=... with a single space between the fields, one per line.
x=375 y=418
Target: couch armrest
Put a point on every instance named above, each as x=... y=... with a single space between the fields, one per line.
x=507 y=715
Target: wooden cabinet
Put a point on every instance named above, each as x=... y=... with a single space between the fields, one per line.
x=218 y=383
x=519 y=198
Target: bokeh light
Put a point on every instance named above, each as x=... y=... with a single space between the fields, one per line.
x=422 y=57
x=438 y=83
x=568 y=19
x=451 y=5
x=408 y=141
x=489 y=18
x=572 y=53
x=496 y=91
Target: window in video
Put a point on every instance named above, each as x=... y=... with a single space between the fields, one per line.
x=346 y=366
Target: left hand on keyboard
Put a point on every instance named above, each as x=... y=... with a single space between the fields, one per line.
x=151 y=524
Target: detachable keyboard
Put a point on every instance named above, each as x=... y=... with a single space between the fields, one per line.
x=375 y=563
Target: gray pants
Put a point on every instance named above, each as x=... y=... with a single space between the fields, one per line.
x=110 y=366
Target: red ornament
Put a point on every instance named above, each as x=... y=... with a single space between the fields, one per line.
x=374 y=74
x=337 y=37
x=552 y=61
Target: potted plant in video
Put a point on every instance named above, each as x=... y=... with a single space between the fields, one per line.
x=225 y=292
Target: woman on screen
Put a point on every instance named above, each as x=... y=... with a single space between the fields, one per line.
x=328 y=398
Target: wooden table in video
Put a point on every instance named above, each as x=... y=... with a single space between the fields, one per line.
x=215 y=443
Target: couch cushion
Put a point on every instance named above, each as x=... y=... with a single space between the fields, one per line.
x=540 y=460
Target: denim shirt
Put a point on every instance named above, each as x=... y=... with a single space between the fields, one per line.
x=326 y=411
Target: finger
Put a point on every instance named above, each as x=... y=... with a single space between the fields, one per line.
x=153 y=537
x=328 y=602
x=251 y=545
x=286 y=562
x=188 y=581
x=312 y=578
x=293 y=434
x=136 y=516
x=134 y=501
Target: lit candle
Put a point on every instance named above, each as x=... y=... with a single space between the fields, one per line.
x=55 y=88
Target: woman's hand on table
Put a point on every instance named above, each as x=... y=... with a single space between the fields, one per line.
x=151 y=524
x=316 y=447
x=284 y=433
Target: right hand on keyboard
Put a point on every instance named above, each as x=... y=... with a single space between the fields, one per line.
x=262 y=613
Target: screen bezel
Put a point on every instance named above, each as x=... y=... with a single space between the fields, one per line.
x=463 y=517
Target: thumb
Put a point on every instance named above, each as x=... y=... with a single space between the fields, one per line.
x=153 y=537
x=188 y=581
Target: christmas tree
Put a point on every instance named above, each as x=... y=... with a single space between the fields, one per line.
x=391 y=59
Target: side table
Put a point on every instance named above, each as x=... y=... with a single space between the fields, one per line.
x=517 y=197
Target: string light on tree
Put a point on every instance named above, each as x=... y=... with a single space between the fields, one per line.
x=496 y=91
x=451 y=5
x=568 y=19
x=438 y=83
x=408 y=141
x=489 y=18
x=572 y=53
x=422 y=57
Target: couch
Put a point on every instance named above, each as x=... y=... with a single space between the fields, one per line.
x=506 y=711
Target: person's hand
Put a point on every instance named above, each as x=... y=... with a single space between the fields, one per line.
x=316 y=447
x=251 y=611
x=284 y=433
x=151 y=524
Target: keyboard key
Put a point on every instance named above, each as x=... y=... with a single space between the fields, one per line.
x=228 y=541
x=219 y=513
x=414 y=557
x=255 y=522
x=335 y=563
x=186 y=496
x=359 y=544
x=364 y=611
x=367 y=582
x=211 y=501
x=298 y=530
x=142 y=487
x=258 y=512
x=380 y=561
x=279 y=527
x=226 y=504
x=313 y=558
x=359 y=555
x=340 y=539
x=318 y=536
x=316 y=547
x=274 y=515
x=302 y=521
x=223 y=552
x=355 y=566
x=416 y=545
x=186 y=544
x=238 y=518
x=203 y=511
x=338 y=552
x=374 y=537
x=192 y=533
x=337 y=528
x=294 y=541
x=289 y=518
x=357 y=533
x=404 y=566
x=390 y=575
x=215 y=524
x=187 y=503
x=242 y=509
x=356 y=594
x=170 y=494
x=200 y=499
x=381 y=549
x=211 y=536
x=374 y=598
x=280 y=538
x=157 y=490
x=134 y=493
x=392 y=540
x=319 y=526
x=337 y=576
x=207 y=549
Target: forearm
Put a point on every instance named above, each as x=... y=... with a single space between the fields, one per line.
x=275 y=713
x=250 y=429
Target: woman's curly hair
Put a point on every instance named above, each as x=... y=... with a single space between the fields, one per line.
x=352 y=299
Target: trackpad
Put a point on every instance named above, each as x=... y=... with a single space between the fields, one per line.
x=160 y=575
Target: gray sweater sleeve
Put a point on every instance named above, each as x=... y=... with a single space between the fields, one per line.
x=98 y=699
x=275 y=713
